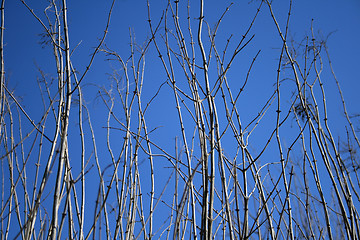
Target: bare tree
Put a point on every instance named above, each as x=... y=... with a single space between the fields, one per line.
x=277 y=173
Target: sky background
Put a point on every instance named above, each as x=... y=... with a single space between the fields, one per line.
x=87 y=20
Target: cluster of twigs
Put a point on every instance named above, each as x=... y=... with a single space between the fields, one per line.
x=220 y=180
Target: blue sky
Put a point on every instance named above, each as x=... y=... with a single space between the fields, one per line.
x=87 y=19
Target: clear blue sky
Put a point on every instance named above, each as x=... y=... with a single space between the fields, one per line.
x=87 y=20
